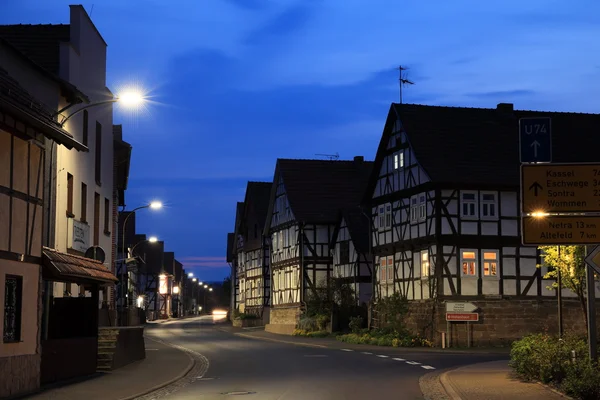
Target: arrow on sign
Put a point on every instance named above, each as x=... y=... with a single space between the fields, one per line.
x=536 y=187
x=460 y=307
x=536 y=145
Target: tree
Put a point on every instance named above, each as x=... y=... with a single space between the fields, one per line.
x=570 y=260
x=227 y=287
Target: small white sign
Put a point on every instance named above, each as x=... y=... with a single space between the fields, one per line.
x=80 y=235
x=460 y=307
x=593 y=259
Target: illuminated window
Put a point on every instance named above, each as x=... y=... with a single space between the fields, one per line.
x=390 y=271
x=399 y=160
x=469 y=263
x=424 y=263
x=490 y=263
x=382 y=269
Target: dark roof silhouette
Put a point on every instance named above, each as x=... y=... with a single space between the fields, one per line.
x=318 y=189
x=357 y=222
x=256 y=206
x=40 y=43
x=230 y=240
x=480 y=146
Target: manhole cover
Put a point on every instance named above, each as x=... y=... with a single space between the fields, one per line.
x=238 y=393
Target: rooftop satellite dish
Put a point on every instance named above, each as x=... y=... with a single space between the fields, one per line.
x=96 y=253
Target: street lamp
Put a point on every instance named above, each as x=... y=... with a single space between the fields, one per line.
x=153 y=205
x=190 y=274
x=151 y=239
x=129 y=99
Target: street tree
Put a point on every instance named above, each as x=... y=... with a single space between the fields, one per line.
x=570 y=261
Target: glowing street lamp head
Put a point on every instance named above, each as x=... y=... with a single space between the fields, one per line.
x=539 y=214
x=156 y=205
x=210 y=289
x=200 y=283
x=194 y=280
x=205 y=286
x=190 y=274
x=153 y=239
x=131 y=99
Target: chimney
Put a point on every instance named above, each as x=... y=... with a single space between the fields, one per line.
x=505 y=107
x=359 y=159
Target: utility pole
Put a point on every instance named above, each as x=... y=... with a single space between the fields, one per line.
x=402 y=80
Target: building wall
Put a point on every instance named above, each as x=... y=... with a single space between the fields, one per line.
x=83 y=63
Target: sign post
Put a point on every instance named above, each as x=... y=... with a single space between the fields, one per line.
x=535 y=140
x=591 y=302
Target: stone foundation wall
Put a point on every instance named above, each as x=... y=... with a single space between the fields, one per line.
x=285 y=316
x=500 y=321
x=247 y=323
x=19 y=374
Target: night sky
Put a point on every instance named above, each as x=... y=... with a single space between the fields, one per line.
x=235 y=84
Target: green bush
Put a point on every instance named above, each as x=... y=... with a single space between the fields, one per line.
x=384 y=338
x=355 y=324
x=545 y=358
x=300 y=332
x=308 y=324
x=246 y=316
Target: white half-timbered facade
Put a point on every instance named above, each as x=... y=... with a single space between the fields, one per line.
x=238 y=266
x=306 y=198
x=352 y=260
x=445 y=201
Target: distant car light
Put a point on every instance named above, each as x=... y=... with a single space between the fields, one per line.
x=219 y=312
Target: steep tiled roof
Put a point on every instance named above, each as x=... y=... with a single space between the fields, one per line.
x=256 y=206
x=358 y=227
x=318 y=189
x=38 y=42
x=480 y=146
x=230 y=238
x=71 y=268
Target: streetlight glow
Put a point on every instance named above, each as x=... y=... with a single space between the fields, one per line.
x=210 y=289
x=175 y=289
x=156 y=205
x=190 y=274
x=131 y=99
x=200 y=283
x=194 y=280
x=153 y=239
x=539 y=214
x=205 y=286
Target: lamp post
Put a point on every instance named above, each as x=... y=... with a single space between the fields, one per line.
x=129 y=99
x=153 y=205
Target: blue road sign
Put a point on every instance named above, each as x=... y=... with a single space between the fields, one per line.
x=535 y=140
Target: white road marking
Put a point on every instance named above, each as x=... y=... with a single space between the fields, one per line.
x=413 y=363
x=315 y=355
x=382 y=356
x=399 y=359
x=151 y=349
x=346 y=349
x=427 y=367
x=366 y=352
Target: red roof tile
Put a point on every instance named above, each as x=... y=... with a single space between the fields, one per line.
x=69 y=267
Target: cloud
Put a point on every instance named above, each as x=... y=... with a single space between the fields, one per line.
x=502 y=94
x=203 y=262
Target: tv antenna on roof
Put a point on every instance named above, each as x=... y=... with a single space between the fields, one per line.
x=331 y=157
x=403 y=80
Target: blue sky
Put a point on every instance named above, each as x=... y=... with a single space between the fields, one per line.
x=239 y=83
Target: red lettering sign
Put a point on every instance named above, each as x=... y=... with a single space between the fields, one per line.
x=462 y=317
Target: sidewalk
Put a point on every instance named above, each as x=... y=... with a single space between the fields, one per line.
x=162 y=366
x=492 y=381
x=332 y=342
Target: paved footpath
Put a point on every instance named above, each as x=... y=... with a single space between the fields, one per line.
x=162 y=366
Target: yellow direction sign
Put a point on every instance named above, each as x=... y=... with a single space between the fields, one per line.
x=560 y=188
x=557 y=230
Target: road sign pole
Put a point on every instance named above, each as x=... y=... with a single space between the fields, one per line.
x=591 y=313
x=559 y=296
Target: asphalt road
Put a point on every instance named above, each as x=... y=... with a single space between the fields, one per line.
x=251 y=368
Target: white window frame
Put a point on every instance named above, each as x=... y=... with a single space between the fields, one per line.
x=484 y=262
x=388 y=215
x=391 y=267
x=414 y=209
x=425 y=266
x=474 y=203
x=381 y=216
x=383 y=270
x=463 y=260
x=488 y=205
x=422 y=207
x=398 y=160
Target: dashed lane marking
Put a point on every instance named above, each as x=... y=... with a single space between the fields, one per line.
x=366 y=352
x=346 y=350
x=413 y=363
x=382 y=356
x=399 y=359
x=427 y=367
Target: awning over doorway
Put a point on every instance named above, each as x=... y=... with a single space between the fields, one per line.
x=62 y=267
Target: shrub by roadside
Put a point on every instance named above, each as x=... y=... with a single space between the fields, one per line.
x=561 y=363
x=305 y=333
x=384 y=338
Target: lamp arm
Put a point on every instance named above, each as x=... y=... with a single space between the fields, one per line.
x=64 y=121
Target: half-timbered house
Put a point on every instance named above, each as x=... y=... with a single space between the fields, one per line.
x=255 y=249
x=304 y=206
x=239 y=262
x=352 y=258
x=445 y=201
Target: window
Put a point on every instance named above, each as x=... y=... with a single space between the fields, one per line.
x=98 y=153
x=488 y=205
x=424 y=263
x=69 y=195
x=85 y=128
x=390 y=269
x=388 y=215
x=399 y=160
x=490 y=263
x=469 y=263
x=413 y=209
x=83 y=217
x=345 y=252
x=381 y=217
x=96 y=219
x=422 y=207
x=468 y=204
x=107 y=216
x=275 y=241
x=382 y=269
x=13 y=302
